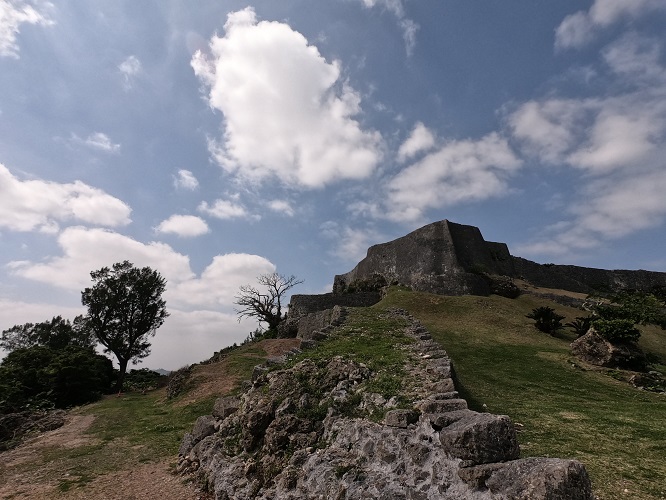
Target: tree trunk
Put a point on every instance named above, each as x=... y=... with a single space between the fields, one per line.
x=122 y=366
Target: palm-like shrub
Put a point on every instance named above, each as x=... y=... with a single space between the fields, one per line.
x=546 y=319
x=580 y=325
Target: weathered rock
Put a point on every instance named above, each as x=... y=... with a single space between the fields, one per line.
x=596 y=350
x=481 y=438
x=400 y=418
x=305 y=432
x=225 y=406
x=14 y=427
x=204 y=426
x=543 y=478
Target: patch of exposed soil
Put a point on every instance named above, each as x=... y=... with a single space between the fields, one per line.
x=26 y=473
x=214 y=378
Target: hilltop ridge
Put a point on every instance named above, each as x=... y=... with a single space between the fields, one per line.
x=454 y=259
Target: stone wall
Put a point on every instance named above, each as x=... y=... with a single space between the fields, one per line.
x=428 y=260
x=586 y=279
x=301 y=305
x=305 y=431
x=450 y=259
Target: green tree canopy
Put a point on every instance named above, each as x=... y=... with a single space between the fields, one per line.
x=56 y=333
x=125 y=308
x=41 y=375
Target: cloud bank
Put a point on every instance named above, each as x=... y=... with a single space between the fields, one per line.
x=288 y=113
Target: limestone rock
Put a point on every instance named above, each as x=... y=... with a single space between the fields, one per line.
x=307 y=431
x=225 y=406
x=480 y=438
x=400 y=418
x=596 y=350
x=543 y=478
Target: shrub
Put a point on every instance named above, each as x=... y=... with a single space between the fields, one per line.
x=42 y=376
x=546 y=319
x=143 y=379
x=370 y=284
x=617 y=331
x=580 y=325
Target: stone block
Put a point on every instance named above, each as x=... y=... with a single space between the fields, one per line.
x=401 y=418
x=480 y=438
x=542 y=478
x=225 y=406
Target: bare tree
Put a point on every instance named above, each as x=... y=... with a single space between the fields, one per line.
x=265 y=302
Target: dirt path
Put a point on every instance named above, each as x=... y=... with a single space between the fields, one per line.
x=27 y=473
x=34 y=471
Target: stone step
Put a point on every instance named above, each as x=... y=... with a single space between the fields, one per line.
x=444 y=395
x=444 y=385
x=442 y=405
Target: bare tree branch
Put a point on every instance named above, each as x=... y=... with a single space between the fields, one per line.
x=265 y=302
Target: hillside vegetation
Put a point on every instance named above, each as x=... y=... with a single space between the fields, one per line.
x=503 y=364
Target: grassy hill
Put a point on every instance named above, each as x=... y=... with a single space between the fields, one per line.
x=567 y=410
x=503 y=364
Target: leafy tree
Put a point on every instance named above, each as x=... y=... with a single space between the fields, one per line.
x=546 y=319
x=56 y=333
x=617 y=331
x=641 y=308
x=125 y=308
x=265 y=303
x=40 y=376
x=617 y=321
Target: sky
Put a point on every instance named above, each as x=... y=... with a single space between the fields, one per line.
x=218 y=141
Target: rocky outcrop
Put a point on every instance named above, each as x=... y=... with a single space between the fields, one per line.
x=319 y=428
x=596 y=350
x=453 y=259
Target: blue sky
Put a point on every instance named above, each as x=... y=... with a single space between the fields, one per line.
x=218 y=142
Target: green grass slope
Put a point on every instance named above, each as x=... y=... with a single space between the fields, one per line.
x=568 y=411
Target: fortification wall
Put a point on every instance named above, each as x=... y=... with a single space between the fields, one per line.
x=300 y=305
x=448 y=259
x=426 y=260
x=586 y=279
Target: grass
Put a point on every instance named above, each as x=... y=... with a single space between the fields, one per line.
x=134 y=429
x=502 y=361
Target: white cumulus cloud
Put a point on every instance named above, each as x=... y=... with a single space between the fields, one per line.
x=27 y=205
x=185 y=179
x=282 y=207
x=185 y=226
x=421 y=139
x=14 y=13
x=98 y=141
x=580 y=28
x=224 y=209
x=458 y=171
x=288 y=112
x=85 y=250
x=615 y=139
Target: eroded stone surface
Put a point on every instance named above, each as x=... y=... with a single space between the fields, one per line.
x=305 y=432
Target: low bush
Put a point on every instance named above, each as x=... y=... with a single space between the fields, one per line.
x=617 y=331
